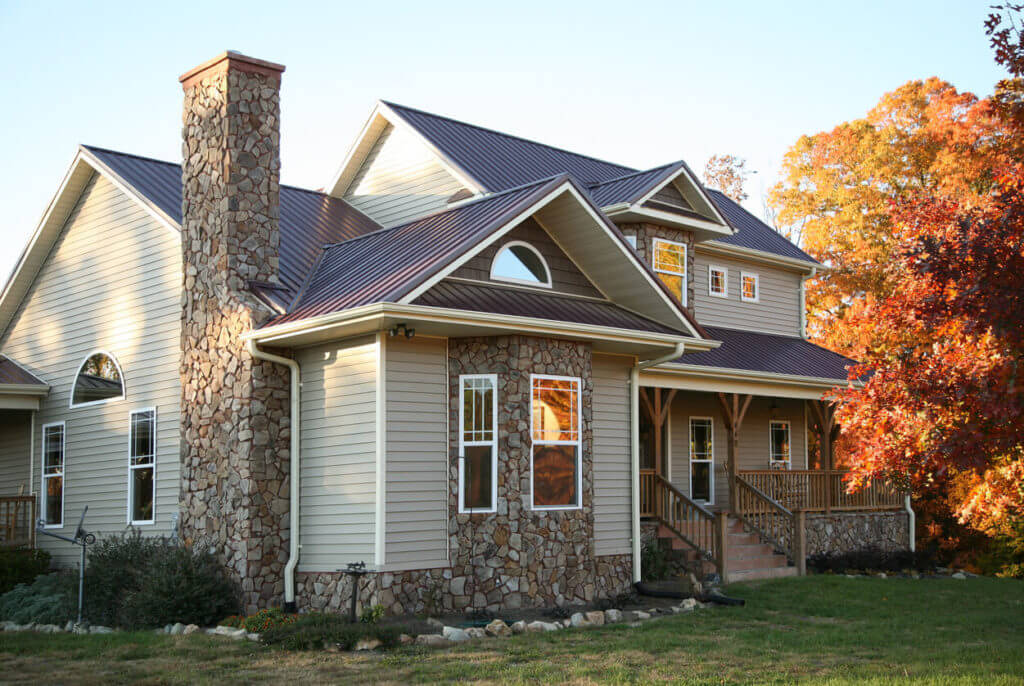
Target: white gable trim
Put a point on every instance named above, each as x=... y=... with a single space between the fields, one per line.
x=685 y=172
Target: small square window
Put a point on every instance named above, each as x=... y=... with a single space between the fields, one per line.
x=718 y=281
x=750 y=287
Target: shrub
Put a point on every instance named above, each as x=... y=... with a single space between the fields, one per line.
x=50 y=599
x=21 y=566
x=317 y=630
x=372 y=615
x=261 y=621
x=654 y=561
x=871 y=559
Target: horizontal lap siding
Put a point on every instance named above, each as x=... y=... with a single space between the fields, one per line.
x=612 y=456
x=339 y=454
x=777 y=311
x=400 y=180
x=416 y=520
x=14 y=452
x=112 y=281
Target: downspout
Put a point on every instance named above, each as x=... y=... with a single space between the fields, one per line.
x=911 y=523
x=803 y=301
x=634 y=442
x=294 y=474
x=32 y=457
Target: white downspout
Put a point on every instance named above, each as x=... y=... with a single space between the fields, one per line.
x=634 y=442
x=912 y=524
x=294 y=476
x=32 y=457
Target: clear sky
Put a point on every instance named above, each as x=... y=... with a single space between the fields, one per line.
x=633 y=82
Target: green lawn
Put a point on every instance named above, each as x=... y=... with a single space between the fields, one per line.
x=815 y=630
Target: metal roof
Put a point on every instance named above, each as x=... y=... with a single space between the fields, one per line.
x=753 y=233
x=309 y=219
x=14 y=374
x=522 y=303
x=630 y=187
x=499 y=161
x=762 y=352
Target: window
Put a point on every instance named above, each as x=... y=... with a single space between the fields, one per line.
x=670 y=264
x=718 y=281
x=555 y=428
x=98 y=380
x=780 y=445
x=478 y=443
x=519 y=262
x=142 y=467
x=702 y=452
x=53 y=475
x=631 y=239
x=750 y=288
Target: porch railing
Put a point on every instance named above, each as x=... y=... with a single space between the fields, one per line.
x=698 y=527
x=813 y=490
x=17 y=521
x=775 y=524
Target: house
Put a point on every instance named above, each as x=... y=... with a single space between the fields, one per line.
x=485 y=367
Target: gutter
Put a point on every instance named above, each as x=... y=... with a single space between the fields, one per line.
x=293 y=465
x=634 y=443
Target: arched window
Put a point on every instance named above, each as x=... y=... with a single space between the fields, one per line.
x=99 y=380
x=519 y=262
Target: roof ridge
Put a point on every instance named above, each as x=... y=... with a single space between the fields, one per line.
x=503 y=134
x=595 y=184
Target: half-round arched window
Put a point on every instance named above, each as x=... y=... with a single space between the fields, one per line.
x=519 y=262
x=99 y=380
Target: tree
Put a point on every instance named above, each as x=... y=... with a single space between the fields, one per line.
x=728 y=174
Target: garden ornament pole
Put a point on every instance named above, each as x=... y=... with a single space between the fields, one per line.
x=82 y=538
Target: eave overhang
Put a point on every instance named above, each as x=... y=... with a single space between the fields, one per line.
x=635 y=213
x=724 y=249
x=729 y=380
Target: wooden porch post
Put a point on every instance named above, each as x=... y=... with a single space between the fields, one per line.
x=825 y=422
x=734 y=409
x=657 y=412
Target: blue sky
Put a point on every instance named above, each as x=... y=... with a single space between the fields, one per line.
x=637 y=83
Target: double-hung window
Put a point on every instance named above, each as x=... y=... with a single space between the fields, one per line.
x=780 y=445
x=555 y=428
x=702 y=452
x=670 y=265
x=53 y=475
x=478 y=442
x=142 y=467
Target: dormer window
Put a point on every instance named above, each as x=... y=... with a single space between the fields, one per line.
x=99 y=380
x=519 y=262
x=670 y=264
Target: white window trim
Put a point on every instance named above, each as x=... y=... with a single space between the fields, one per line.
x=757 y=287
x=686 y=257
x=124 y=389
x=132 y=468
x=771 y=453
x=725 y=281
x=526 y=282
x=493 y=378
x=63 y=472
x=631 y=239
x=578 y=443
x=710 y=461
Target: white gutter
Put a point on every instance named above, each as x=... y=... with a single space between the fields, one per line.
x=634 y=442
x=293 y=493
x=912 y=523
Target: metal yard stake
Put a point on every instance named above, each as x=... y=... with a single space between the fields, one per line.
x=82 y=538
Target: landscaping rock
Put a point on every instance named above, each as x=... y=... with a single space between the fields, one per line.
x=498 y=629
x=519 y=627
x=476 y=632
x=437 y=623
x=177 y=629
x=67 y=627
x=100 y=630
x=612 y=616
x=368 y=644
x=596 y=618
x=431 y=640
x=688 y=604
x=578 y=620
x=454 y=634
x=80 y=629
x=566 y=623
x=542 y=626
x=958 y=575
x=406 y=639
x=635 y=616
x=190 y=629
x=882 y=575
x=251 y=637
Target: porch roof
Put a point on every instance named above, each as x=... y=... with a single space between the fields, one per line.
x=19 y=388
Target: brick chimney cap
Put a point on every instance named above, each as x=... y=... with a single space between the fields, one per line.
x=229 y=59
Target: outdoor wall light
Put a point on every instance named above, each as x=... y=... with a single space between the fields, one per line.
x=401 y=329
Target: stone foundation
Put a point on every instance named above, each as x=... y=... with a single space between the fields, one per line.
x=847 y=532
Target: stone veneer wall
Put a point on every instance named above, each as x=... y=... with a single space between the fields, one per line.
x=645 y=233
x=234 y=423
x=844 y=532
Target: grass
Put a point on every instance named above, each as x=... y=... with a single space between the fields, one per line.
x=819 y=629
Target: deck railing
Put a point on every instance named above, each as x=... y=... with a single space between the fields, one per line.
x=775 y=524
x=698 y=527
x=17 y=521
x=813 y=490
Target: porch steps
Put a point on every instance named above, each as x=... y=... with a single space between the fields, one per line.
x=748 y=557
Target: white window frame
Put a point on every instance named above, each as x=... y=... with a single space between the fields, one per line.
x=124 y=388
x=709 y=461
x=757 y=287
x=43 y=476
x=654 y=264
x=463 y=444
x=771 y=449
x=631 y=239
x=712 y=268
x=524 y=282
x=132 y=467
x=578 y=443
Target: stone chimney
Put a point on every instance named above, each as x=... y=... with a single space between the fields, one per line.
x=234 y=409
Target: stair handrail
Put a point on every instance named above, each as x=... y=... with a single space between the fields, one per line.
x=674 y=507
x=775 y=524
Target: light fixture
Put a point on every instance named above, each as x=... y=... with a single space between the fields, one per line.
x=401 y=329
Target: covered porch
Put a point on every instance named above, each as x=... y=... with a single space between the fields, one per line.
x=21 y=394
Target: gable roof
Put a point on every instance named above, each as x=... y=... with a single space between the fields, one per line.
x=13 y=374
x=630 y=187
x=753 y=233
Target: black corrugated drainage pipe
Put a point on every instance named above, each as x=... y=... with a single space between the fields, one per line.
x=644 y=589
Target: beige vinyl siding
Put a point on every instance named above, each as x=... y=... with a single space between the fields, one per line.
x=753 y=449
x=339 y=454
x=15 y=426
x=111 y=282
x=416 y=520
x=612 y=455
x=400 y=179
x=778 y=309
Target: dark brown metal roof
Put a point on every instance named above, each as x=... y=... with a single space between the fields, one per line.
x=630 y=187
x=14 y=375
x=473 y=297
x=762 y=352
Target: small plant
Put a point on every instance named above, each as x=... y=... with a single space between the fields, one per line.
x=21 y=566
x=654 y=561
x=319 y=630
x=261 y=621
x=372 y=615
x=871 y=559
x=50 y=599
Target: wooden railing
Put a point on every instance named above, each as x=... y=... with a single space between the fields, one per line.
x=772 y=522
x=813 y=490
x=17 y=521
x=698 y=527
x=647 y=492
